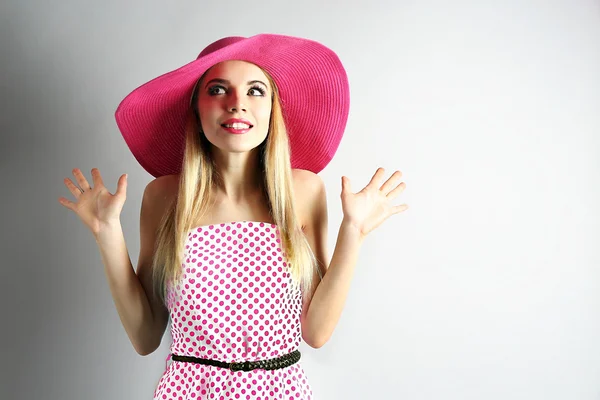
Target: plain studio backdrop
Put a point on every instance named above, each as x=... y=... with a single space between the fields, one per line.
x=486 y=288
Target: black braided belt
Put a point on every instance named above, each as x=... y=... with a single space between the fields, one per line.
x=271 y=364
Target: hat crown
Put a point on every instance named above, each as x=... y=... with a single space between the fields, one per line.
x=219 y=44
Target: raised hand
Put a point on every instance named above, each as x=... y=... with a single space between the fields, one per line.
x=95 y=206
x=367 y=209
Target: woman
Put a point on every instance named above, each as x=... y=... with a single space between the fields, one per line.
x=234 y=227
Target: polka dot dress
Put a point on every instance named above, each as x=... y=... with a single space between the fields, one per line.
x=236 y=301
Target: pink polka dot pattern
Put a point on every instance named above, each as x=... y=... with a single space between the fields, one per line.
x=236 y=301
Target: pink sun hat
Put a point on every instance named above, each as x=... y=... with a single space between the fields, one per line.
x=313 y=88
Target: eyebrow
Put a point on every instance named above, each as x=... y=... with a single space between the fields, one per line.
x=225 y=81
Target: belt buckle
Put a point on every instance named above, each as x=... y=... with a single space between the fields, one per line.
x=233 y=367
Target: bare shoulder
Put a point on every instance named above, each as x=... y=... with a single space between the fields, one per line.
x=158 y=195
x=162 y=187
x=306 y=183
x=308 y=189
x=162 y=190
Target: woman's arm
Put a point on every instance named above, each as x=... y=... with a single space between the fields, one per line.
x=363 y=212
x=143 y=316
x=321 y=311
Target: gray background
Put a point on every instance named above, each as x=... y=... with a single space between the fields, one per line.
x=486 y=288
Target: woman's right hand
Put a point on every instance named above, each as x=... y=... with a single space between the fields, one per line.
x=95 y=206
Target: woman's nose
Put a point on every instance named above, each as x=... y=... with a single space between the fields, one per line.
x=235 y=103
x=236 y=108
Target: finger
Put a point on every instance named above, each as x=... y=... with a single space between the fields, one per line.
x=122 y=185
x=83 y=183
x=397 y=190
x=97 y=178
x=68 y=204
x=387 y=186
x=399 y=209
x=74 y=189
x=346 y=187
x=374 y=182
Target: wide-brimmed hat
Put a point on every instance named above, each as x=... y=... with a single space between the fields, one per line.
x=313 y=88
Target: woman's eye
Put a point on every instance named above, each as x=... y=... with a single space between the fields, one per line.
x=257 y=91
x=254 y=91
x=215 y=90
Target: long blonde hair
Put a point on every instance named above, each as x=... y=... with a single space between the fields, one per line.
x=198 y=175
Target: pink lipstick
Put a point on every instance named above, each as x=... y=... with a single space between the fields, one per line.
x=236 y=125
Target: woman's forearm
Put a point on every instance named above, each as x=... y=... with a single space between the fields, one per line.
x=330 y=295
x=127 y=291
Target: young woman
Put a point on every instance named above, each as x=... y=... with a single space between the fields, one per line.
x=234 y=227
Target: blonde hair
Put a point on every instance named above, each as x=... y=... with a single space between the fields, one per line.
x=199 y=174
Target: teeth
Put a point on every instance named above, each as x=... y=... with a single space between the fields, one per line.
x=237 y=125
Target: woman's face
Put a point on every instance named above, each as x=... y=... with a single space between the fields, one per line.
x=234 y=104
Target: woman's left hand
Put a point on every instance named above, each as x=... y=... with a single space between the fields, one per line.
x=367 y=209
